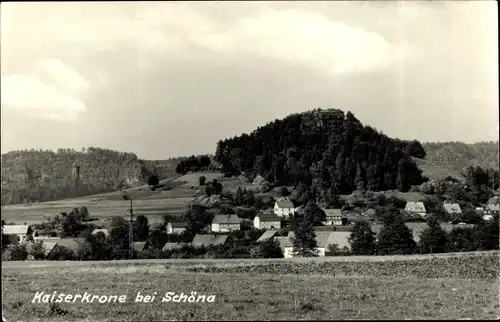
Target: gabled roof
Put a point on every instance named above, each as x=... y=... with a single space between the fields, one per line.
x=415 y=206
x=284 y=242
x=207 y=240
x=341 y=238
x=268 y=217
x=324 y=228
x=73 y=244
x=15 y=229
x=172 y=246
x=179 y=224
x=452 y=208
x=284 y=203
x=259 y=180
x=331 y=212
x=101 y=230
x=226 y=219
x=267 y=235
x=139 y=246
x=47 y=245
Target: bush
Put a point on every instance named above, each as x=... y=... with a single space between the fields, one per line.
x=37 y=251
x=18 y=252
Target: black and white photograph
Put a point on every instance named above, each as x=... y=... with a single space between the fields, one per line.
x=249 y=160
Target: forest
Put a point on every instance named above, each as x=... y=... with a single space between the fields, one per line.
x=38 y=175
x=327 y=150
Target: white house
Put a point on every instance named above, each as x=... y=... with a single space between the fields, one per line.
x=284 y=208
x=226 y=223
x=416 y=208
x=176 y=227
x=267 y=221
x=104 y=231
x=323 y=240
x=21 y=231
x=333 y=217
x=452 y=208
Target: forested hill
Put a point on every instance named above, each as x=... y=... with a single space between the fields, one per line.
x=329 y=149
x=37 y=175
x=457 y=155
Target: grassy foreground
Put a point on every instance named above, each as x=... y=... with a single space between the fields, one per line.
x=444 y=288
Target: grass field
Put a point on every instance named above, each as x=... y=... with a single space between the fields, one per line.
x=192 y=179
x=446 y=287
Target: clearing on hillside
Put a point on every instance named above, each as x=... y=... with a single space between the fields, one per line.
x=192 y=178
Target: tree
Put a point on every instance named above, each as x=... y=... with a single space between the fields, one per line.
x=238 y=197
x=304 y=239
x=250 y=198
x=362 y=239
x=462 y=239
x=18 y=252
x=486 y=234
x=141 y=228
x=37 y=250
x=433 y=239
x=202 y=180
x=269 y=248
x=284 y=192
x=119 y=237
x=153 y=180
x=395 y=238
x=317 y=214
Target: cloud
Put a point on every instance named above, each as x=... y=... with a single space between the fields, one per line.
x=289 y=36
x=53 y=92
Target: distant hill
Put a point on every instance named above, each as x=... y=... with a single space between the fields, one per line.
x=328 y=150
x=37 y=175
x=456 y=156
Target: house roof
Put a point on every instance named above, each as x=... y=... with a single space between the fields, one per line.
x=268 y=217
x=73 y=244
x=493 y=203
x=139 y=246
x=284 y=242
x=415 y=206
x=15 y=229
x=172 y=246
x=179 y=224
x=284 y=203
x=259 y=179
x=325 y=238
x=267 y=235
x=370 y=212
x=333 y=212
x=324 y=228
x=226 y=219
x=101 y=230
x=47 y=245
x=207 y=240
x=452 y=208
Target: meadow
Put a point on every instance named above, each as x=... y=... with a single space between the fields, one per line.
x=172 y=197
x=418 y=287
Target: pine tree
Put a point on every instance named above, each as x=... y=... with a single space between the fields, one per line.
x=395 y=238
x=238 y=197
x=362 y=239
x=433 y=239
x=304 y=239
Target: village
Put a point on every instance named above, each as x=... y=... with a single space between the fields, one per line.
x=272 y=224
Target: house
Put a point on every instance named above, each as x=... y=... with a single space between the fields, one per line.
x=286 y=246
x=333 y=217
x=416 y=208
x=268 y=234
x=487 y=217
x=283 y=207
x=140 y=246
x=493 y=206
x=452 y=208
x=104 y=231
x=72 y=244
x=173 y=246
x=209 y=240
x=48 y=246
x=21 y=231
x=226 y=223
x=259 y=180
x=176 y=227
x=267 y=221
x=324 y=239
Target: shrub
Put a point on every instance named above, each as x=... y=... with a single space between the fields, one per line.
x=18 y=252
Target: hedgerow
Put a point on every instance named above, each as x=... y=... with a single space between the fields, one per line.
x=469 y=267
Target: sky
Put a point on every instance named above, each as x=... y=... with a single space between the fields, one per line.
x=166 y=79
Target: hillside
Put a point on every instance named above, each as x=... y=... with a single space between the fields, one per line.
x=457 y=155
x=29 y=176
x=329 y=150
